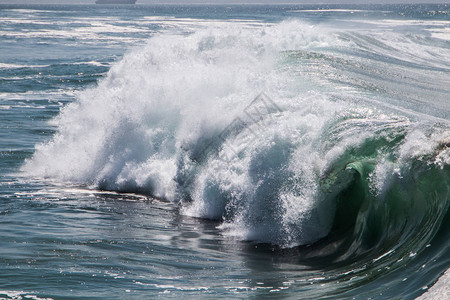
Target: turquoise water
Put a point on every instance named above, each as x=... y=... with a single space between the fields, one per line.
x=224 y=151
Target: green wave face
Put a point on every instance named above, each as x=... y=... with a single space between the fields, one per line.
x=391 y=199
x=388 y=195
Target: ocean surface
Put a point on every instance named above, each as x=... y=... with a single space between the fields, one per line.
x=217 y=152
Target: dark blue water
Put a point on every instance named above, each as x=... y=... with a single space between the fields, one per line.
x=224 y=151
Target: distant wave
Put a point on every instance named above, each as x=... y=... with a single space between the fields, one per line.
x=17 y=66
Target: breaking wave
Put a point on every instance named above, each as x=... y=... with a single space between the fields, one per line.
x=248 y=124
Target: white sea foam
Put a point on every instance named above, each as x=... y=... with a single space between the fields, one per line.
x=93 y=63
x=16 y=66
x=440 y=33
x=19 y=295
x=440 y=290
x=391 y=23
x=330 y=10
x=129 y=132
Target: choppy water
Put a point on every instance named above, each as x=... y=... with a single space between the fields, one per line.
x=224 y=151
